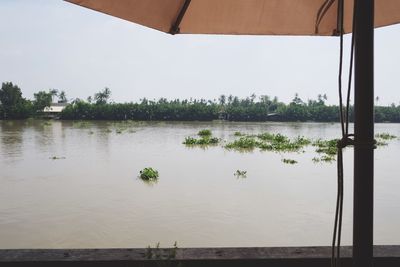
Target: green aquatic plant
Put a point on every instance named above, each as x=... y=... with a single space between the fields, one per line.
x=281 y=143
x=204 y=141
x=280 y=138
x=301 y=140
x=240 y=174
x=316 y=160
x=280 y=147
x=239 y=134
x=204 y=132
x=328 y=147
x=55 y=158
x=381 y=143
x=207 y=141
x=324 y=158
x=269 y=142
x=118 y=131
x=190 y=141
x=385 y=136
x=328 y=158
x=245 y=142
x=266 y=136
x=149 y=174
x=289 y=161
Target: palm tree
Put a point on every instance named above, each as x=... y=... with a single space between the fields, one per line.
x=102 y=96
x=53 y=93
x=62 y=97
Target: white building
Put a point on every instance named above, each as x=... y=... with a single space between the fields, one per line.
x=55 y=108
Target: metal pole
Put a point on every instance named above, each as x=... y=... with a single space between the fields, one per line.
x=364 y=135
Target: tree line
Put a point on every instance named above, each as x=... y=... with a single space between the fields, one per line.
x=231 y=108
x=14 y=106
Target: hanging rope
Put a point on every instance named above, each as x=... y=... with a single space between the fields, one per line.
x=346 y=139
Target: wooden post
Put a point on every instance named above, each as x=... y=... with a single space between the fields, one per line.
x=364 y=135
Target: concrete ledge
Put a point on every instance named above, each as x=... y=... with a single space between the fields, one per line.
x=257 y=256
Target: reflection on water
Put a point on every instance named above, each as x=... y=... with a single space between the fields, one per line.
x=94 y=198
x=11 y=140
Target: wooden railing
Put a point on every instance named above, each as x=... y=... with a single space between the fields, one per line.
x=384 y=256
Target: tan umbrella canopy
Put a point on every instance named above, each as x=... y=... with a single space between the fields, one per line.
x=250 y=17
x=289 y=17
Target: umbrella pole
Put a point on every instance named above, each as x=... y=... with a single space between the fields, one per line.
x=364 y=135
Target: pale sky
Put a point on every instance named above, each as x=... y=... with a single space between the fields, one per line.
x=54 y=44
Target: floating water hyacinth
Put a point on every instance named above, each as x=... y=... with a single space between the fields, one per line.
x=204 y=132
x=289 y=161
x=240 y=174
x=385 y=136
x=149 y=174
x=326 y=149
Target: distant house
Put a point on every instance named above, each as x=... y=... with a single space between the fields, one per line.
x=54 y=109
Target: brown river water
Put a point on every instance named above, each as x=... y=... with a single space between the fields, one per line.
x=91 y=197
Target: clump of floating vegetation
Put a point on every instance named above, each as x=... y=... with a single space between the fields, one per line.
x=328 y=149
x=324 y=158
x=190 y=141
x=244 y=143
x=381 y=143
x=240 y=174
x=205 y=139
x=269 y=142
x=239 y=134
x=327 y=158
x=289 y=161
x=149 y=174
x=55 y=158
x=204 y=132
x=385 y=136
